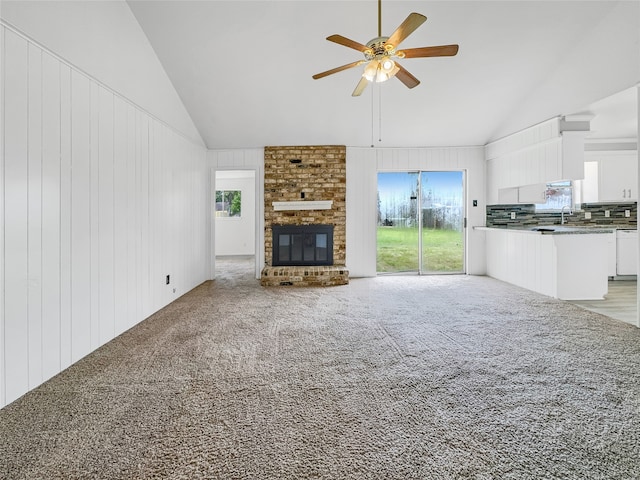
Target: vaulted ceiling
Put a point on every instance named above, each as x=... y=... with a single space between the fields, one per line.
x=243 y=68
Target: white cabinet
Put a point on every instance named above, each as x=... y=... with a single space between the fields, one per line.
x=533 y=193
x=618 y=177
x=590 y=183
x=538 y=155
x=569 y=267
x=507 y=195
x=571 y=165
x=627 y=252
x=527 y=194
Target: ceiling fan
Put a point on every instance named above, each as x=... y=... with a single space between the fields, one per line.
x=381 y=54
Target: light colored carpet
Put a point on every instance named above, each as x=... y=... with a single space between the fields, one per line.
x=446 y=377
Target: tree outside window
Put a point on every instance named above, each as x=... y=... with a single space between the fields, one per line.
x=228 y=203
x=558 y=195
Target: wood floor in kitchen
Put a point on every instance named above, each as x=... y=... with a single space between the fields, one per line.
x=620 y=303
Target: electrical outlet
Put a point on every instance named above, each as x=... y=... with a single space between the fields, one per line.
x=513 y=215
x=627 y=213
x=587 y=215
x=607 y=213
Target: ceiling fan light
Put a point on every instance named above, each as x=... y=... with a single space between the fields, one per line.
x=381 y=77
x=371 y=71
x=387 y=65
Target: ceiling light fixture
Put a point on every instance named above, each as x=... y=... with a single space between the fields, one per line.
x=381 y=54
x=380 y=70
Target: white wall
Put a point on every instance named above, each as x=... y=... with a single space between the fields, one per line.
x=236 y=235
x=99 y=202
x=363 y=164
x=104 y=39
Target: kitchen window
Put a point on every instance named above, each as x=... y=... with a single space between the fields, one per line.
x=558 y=195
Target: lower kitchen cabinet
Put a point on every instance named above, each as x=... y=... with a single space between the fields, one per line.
x=565 y=266
x=627 y=252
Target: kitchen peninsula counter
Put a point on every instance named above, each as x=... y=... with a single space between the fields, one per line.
x=570 y=263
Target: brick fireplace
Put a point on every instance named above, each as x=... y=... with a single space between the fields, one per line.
x=305 y=186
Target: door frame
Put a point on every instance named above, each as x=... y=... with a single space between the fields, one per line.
x=259 y=217
x=419 y=220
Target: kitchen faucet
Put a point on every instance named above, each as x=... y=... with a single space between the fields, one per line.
x=562 y=213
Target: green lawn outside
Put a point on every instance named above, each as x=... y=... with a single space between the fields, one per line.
x=398 y=250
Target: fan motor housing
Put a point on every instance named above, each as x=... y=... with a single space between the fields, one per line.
x=378 y=48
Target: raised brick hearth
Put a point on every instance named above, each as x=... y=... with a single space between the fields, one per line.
x=305 y=276
x=306 y=174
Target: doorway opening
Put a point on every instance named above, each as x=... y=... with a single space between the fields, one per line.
x=421 y=222
x=234 y=207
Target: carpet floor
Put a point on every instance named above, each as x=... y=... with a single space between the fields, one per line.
x=432 y=377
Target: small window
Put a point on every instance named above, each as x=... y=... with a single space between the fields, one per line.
x=228 y=203
x=558 y=195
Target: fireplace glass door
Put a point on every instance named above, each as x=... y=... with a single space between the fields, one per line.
x=302 y=245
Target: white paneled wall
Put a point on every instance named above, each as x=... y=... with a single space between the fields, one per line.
x=363 y=164
x=362 y=216
x=100 y=201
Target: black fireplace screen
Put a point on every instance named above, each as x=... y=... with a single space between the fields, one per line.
x=302 y=245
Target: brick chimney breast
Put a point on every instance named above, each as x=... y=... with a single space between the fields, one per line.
x=306 y=173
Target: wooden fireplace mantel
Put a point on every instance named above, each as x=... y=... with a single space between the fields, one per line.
x=303 y=205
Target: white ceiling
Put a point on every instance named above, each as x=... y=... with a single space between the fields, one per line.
x=243 y=69
x=615 y=117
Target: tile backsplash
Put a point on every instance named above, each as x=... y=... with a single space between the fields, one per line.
x=525 y=215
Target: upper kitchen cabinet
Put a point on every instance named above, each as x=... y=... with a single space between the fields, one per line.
x=611 y=149
x=547 y=152
x=616 y=175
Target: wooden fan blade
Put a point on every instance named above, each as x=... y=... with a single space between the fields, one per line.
x=413 y=21
x=362 y=84
x=405 y=77
x=438 y=51
x=347 y=42
x=338 y=69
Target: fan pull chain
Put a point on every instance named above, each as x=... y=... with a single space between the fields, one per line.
x=372 y=115
x=379 y=114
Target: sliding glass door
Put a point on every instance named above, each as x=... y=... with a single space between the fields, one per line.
x=398 y=236
x=420 y=222
x=442 y=200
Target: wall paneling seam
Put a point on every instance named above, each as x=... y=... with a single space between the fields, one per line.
x=58 y=126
